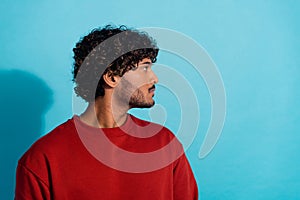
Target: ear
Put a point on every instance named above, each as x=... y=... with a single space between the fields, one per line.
x=111 y=80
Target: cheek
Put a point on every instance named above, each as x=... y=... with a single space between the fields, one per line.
x=136 y=80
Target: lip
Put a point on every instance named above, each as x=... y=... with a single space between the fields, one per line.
x=152 y=89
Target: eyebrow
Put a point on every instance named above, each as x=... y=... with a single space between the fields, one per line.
x=147 y=62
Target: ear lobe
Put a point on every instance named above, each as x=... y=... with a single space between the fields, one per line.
x=111 y=80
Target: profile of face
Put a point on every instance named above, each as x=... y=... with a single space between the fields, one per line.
x=137 y=86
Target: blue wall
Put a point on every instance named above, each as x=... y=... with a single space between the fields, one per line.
x=255 y=45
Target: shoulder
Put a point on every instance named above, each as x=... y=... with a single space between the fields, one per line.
x=156 y=134
x=42 y=155
x=50 y=143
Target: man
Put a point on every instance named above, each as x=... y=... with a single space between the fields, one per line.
x=106 y=153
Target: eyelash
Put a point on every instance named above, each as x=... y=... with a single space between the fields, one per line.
x=145 y=68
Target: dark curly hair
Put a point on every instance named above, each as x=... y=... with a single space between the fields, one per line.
x=112 y=50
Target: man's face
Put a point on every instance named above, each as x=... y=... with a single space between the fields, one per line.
x=136 y=87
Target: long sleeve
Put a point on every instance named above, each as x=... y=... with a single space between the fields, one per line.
x=185 y=186
x=29 y=186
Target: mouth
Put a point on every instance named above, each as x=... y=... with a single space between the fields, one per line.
x=152 y=89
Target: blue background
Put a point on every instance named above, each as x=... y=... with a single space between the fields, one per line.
x=254 y=44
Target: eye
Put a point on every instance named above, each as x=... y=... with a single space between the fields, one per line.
x=145 y=68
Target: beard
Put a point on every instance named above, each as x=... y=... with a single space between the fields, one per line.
x=133 y=96
x=137 y=100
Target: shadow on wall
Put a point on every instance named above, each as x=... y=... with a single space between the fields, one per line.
x=25 y=98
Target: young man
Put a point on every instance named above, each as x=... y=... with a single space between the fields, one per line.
x=106 y=153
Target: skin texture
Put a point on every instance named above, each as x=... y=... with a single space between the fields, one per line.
x=135 y=89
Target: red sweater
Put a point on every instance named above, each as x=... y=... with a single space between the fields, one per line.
x=64 y=164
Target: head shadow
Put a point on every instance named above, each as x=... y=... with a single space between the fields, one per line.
x=25 y=98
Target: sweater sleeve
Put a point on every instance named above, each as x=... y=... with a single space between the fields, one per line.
x=185 y=186
x=29 y=186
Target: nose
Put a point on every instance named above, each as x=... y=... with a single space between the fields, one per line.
x=154 y=78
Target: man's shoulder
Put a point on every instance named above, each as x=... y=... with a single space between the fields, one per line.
x=50 y=143
x=61 y=132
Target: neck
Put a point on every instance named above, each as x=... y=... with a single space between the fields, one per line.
x=101 y=114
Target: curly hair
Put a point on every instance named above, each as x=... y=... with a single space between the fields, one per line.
x=112 y=50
